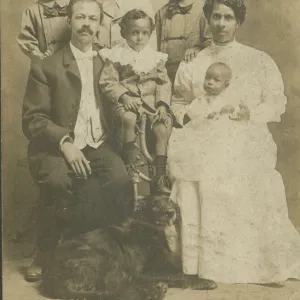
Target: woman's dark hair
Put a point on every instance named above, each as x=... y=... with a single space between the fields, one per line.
x=237 y=6
x=73 y=2
x=134 y=14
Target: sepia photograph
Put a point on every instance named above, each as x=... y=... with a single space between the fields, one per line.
x=150 y=149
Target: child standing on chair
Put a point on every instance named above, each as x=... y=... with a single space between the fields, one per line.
x=44 y=28
x=134 y=75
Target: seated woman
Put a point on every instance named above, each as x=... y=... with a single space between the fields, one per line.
x=235 y=224
x=133 y=75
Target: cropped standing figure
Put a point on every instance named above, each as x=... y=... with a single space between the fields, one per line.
x=235 y=222
x=182 y=31
x=44 y=28
x=134 y=75
x=67 y=124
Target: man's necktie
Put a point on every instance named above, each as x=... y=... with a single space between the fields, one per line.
x=55 y=11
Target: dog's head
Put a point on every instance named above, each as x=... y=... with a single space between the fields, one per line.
x=148 y=226
x=158 y=210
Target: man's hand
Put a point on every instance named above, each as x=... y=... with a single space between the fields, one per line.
x=79 y=164
x=130 y=103
x=191 y=53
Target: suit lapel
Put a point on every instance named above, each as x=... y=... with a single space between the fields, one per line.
x=70 y=63
x=72 y=67
x=97 y=66
x=72 y=73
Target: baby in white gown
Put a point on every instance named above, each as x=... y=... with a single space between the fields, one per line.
x=204 y=121
x=215 y=102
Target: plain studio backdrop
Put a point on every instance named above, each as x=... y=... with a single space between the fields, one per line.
x=271 y=26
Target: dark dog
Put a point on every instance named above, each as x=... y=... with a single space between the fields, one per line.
x=106 y=263
x=112 y=263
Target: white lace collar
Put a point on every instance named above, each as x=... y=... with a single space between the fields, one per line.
x=142 y=62
x=220 y=48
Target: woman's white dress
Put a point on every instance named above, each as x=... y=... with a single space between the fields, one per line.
x=235 y=224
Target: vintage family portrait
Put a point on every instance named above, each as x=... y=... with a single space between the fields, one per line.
x=151 y=149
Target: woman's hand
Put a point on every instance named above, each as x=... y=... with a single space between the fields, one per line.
x=37 y=54
x=130 y=103
x=46 y=54
x=191 y=53
x=243 y=114
x=227 y=109
x=79 y=164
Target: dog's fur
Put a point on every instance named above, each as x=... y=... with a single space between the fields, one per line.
x=106 y=263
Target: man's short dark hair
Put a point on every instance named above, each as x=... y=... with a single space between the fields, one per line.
x=135 y=14
x=73 y=2
x=238 y=7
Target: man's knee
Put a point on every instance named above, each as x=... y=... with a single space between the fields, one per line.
x=55 y=176
x=59 y=181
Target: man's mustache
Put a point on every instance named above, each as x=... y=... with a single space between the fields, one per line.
x=85 y=29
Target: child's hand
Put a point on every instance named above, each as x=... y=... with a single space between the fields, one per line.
x=227 y=109
x=130 y=103
x=162 y=114
x=243 y=114
x=211 y=115
x=191 y=53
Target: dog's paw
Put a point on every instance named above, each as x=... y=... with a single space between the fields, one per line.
x=162 y=286
x=202 y=284
x=157 y=291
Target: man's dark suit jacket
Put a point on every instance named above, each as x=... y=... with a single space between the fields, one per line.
x=51 y=104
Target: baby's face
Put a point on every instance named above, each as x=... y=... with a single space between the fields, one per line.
x=138 y=33
x=215 y=81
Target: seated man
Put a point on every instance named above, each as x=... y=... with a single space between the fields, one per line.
x=67 y=125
